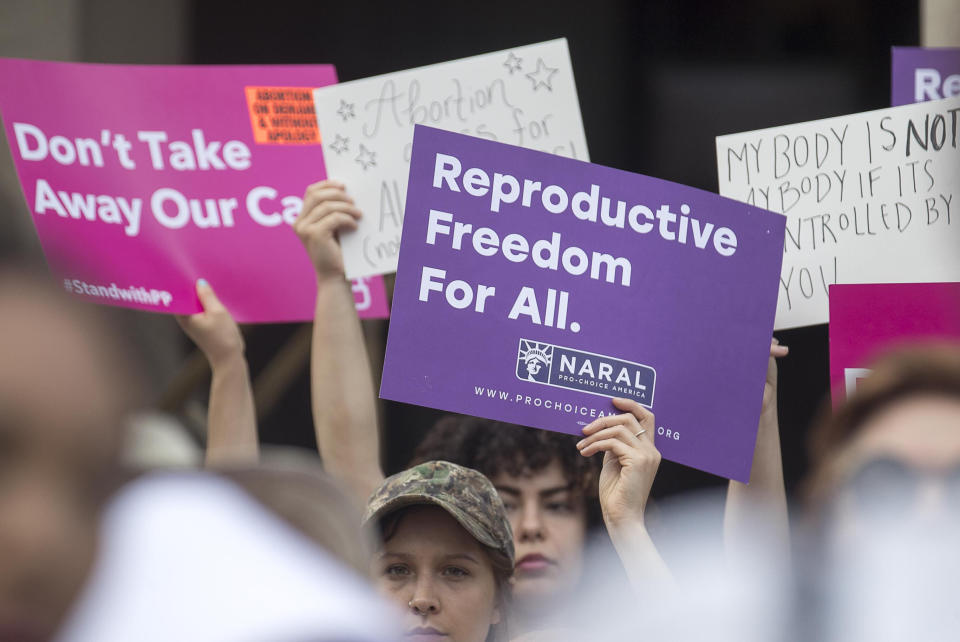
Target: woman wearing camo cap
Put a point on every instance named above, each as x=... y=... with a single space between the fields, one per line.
x=447 y=552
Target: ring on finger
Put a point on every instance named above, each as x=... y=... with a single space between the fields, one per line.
x=640 y=432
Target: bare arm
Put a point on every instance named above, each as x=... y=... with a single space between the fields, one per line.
x=757 y=513
x=231 y=418
x=630 y=463
x=342 y=393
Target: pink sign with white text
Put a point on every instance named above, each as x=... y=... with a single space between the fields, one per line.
x=868 y=319
x=143 y=179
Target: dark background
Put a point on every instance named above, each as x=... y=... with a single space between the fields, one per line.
x=657 y=81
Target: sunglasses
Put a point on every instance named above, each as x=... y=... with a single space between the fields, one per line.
x=887 y=486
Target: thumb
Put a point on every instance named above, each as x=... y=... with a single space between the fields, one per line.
x=777 y=350
x=208 y=299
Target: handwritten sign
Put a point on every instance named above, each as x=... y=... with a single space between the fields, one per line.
x=524 y=96
x=142 y=179
x=869 y=198
x=867 y=319
x=533 y=288
x=920 y=73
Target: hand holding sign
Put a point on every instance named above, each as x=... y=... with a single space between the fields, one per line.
x=231 y=416
x=213 y=330
x=630 y=460
x=327 y=210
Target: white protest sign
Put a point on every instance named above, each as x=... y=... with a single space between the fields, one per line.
x=524 y=96
x=869 y=198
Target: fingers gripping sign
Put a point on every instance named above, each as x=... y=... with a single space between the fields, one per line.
x=630 y=460
x=327 y=210
x=213 y=330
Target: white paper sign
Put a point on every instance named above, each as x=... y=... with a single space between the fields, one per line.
x=870 y=198
x=524 y=96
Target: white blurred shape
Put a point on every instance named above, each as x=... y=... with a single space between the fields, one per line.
x=189 y=557
x=156 y=440
x=897 y=578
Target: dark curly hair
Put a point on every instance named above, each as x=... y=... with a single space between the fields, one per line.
x=494 y=447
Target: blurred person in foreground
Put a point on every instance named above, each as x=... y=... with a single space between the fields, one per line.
x=189 y=556
x=64 y=392
x=883 y=504
x=898 y=435
x=876 y=552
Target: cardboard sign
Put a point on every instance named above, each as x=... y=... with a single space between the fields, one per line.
x=524 y=96
x=142 y=179
x=868 y=319
x=919 y=74
x=869 y=198
x=532 y=288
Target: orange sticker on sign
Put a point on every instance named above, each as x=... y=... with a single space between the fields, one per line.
x=283 y=115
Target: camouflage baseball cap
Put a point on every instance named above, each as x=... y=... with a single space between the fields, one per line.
x=467 y=495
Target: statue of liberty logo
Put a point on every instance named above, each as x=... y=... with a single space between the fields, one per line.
x=534 y=361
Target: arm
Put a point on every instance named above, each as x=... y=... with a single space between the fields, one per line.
x=630 y=463
x=231 y=418
x=759 y=510
x=341 y=386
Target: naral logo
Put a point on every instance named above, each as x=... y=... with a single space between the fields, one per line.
x=597 y=374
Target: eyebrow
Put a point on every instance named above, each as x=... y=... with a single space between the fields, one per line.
x=546 y=492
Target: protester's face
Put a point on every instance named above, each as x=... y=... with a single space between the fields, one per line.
x=903 y=464
x=549 y=521
x=440 y=575
x=58 y=443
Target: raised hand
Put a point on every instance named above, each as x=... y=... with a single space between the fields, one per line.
x=630 y=460
x=327 y=210
x=231 y=416
x=213 y=330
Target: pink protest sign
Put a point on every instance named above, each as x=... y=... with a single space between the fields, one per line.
x=142 y=179
x=370 y=297
x=867 y=319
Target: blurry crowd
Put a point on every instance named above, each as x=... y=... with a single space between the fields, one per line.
x=493 y=532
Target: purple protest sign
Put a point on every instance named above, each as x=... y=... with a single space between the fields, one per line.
x=921 y=73
x=142 y=179
x=532 y=288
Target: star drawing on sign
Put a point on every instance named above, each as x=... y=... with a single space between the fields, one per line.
x=542 y=76
x=346 y=110
x=340 y=144
x=366 y=158
x=512 y=63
